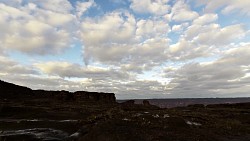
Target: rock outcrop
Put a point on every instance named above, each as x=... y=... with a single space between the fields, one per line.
x=129 y=103
x=146 y=103
x=96 y=96
x=12 y=91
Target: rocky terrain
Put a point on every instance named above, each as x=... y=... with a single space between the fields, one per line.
x=28 y=115
x=183 y=102
x=15 y=92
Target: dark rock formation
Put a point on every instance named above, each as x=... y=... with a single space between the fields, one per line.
x=146 y=103
x=196 y=106
x=83 y=95
x=12 y=91
x=128 y=103
x=230 y=105
x=68 y=116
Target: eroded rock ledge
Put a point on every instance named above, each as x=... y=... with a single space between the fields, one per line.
x=12 y=91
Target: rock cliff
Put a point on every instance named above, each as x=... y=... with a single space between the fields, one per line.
x=12 y=91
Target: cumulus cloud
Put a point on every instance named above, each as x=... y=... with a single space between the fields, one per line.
x=151 y=28
x=227 y=6
x=98 y=30
x=60 y=6
x=204 y=38
x=11 y=67
x=124 y=40
x=181 y=12
x=213 y=34
x=156 y=7
x=129 y=42
x=13 y=3
x=82 y=7
x=180 y=27
x=65 y=69
x=205 y=19
x=188 y=50
x=41 y=82
x=210 y=78
x=32 y=30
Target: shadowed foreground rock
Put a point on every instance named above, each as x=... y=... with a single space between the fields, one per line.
x=28 y=115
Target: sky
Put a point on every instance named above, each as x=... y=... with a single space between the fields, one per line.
x=133 y=48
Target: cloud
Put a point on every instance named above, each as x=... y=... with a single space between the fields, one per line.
x=151 y=28
x=204 y=39
x=13 y=3
x=209 y=79
x=104 y=42
x=32 y=30
x=73 y=77
x=65 y=69
x=156 y=7
x=82 y=7
x=122 y=89
x=226 y=6
x=60 y=6
x=118 y=1
x=129 y=42
x=181 y=12
x=147 y=54
x=10 y=67
x=179 y=28
x=205 y=19
x=213 y=34
x=41 y=82
x=98 y=31
x=185 y=50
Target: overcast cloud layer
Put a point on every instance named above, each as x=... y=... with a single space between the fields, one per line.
x=134 y=48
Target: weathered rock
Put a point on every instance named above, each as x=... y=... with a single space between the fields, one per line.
x=12 y=91
x=229 y=105
x=146 y=103
x=196 y=106
x=128 y=103
x=95 y=96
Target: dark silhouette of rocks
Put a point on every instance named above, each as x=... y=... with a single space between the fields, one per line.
x=146 y=103
x=84 y=116
x=128 y=103
x=196 y=106
x=230 y=105
x=95 y=96
x=12 y=91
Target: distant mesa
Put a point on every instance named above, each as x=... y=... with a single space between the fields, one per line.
x=12 y=91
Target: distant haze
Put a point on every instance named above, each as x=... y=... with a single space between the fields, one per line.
x=133 y=48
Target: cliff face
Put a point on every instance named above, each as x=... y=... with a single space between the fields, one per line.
x=95 y=96
x=12 y=91
x=75 y=96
